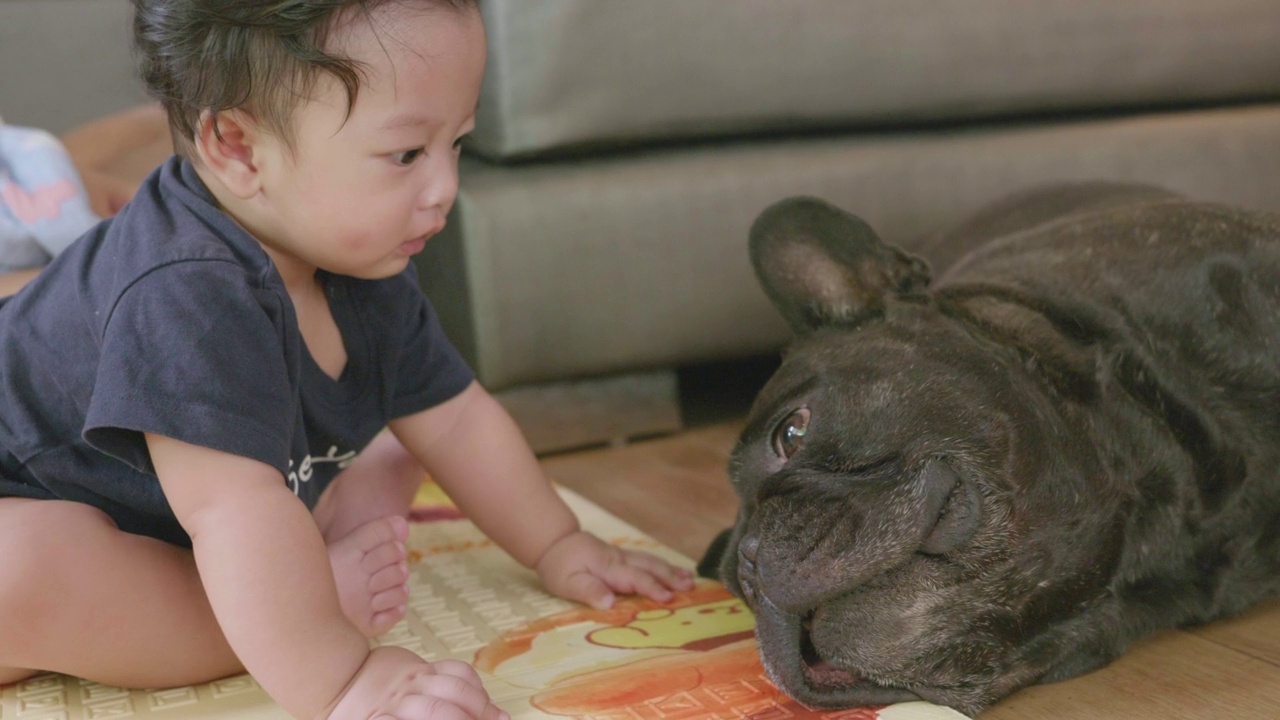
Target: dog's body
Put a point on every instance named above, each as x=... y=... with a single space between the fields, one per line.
x=1071 y=439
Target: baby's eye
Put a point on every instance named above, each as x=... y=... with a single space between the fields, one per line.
x=408 y=156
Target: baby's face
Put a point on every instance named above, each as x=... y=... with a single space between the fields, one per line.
x=360 y=195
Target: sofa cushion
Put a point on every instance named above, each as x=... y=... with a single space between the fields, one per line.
x=591 y=267
x=568 y=73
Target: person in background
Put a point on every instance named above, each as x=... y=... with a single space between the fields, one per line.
x=52 y=190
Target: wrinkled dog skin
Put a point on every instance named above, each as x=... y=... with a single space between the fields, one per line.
x=954 y=489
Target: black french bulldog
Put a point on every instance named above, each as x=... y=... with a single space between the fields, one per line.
x=954 y=489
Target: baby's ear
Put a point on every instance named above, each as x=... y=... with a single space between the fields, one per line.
x=225 y=143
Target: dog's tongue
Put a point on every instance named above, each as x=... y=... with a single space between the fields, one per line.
x=817 y=671
x=823 y=674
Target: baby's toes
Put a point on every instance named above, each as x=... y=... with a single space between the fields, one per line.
x=390 y=599
x=383 y=556
x=389 y=577
x=384 y=619
x=377 y=533
x=367 y=563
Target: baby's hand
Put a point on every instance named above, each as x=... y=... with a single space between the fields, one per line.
x=585 y=568
x=396 y=683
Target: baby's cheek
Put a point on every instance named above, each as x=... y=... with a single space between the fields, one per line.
x=357 y=239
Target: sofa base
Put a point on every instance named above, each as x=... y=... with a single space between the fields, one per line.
x=561 y=270
x=561 y=416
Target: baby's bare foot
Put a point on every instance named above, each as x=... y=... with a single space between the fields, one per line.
x=372 y=574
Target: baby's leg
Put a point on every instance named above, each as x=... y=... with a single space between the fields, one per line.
x=380 y=483
x=81 y=597
x=362 y=517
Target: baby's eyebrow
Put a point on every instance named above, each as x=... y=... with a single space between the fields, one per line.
x=412 y=120
x=407 y=120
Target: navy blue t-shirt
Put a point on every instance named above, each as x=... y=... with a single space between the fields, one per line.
x=171 y=319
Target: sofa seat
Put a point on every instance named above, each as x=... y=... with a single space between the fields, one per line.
x=623 y=148
x=594 y=267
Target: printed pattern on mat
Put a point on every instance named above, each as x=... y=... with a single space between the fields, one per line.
x=541 y=657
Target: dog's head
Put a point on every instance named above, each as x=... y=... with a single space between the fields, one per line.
x=913 y=523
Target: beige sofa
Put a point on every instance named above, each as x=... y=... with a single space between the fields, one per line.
x=624 y=146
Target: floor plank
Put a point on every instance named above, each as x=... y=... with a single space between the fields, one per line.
x=1256 y=633
x=676 y=489
x=1175 y=675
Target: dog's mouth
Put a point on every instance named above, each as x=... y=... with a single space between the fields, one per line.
x=819 y=673
x=794 y=663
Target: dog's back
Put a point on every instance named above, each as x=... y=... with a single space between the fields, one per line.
x=1132 y=296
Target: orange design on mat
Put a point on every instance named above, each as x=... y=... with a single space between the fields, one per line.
x=727 y=682
x=520 y=641
x=697 y=627
x=693 y=658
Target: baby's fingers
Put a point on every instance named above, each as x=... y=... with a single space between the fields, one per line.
x=423 y=707
x=625 y=578
x=676 y=578
x=468 y=674
x=585 y=587
x=447 y=696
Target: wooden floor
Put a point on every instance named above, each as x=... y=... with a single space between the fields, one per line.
x=676 y=490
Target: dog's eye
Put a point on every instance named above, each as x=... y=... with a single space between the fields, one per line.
x=788 y=437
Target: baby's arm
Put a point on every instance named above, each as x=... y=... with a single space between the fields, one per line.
x=265 y=570
x=473 y=448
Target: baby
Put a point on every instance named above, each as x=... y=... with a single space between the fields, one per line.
x=195 y=479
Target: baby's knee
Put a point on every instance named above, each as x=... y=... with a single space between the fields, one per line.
x=393 y=461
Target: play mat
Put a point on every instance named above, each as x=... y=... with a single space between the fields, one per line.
x=539 y=656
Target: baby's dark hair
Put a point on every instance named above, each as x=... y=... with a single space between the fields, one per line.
x=260 y=55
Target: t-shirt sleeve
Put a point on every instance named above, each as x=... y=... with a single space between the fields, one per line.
x=194 y=352
x=428 y=370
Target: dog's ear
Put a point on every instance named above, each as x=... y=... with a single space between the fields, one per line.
x=821 y=265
